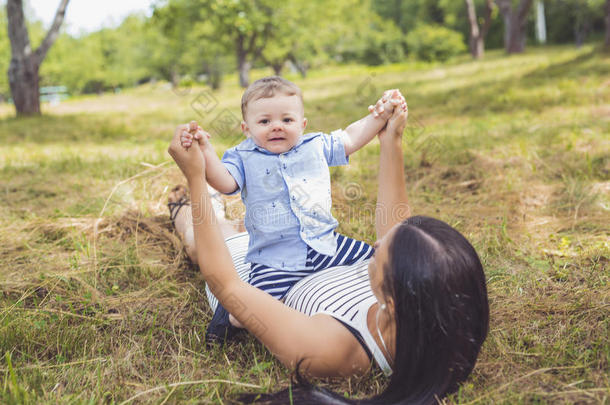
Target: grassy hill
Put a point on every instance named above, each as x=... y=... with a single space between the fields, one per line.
x=97 y=301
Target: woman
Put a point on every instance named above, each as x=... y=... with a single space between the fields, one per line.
x=423 y=320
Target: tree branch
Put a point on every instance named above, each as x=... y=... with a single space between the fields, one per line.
x=53 y=32
x=250 y=47
x=256 y=53
x=504 y=6
x=488 y=14
x=472 y=19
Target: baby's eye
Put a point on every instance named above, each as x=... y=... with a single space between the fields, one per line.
x=264 y=121
x=287 y=119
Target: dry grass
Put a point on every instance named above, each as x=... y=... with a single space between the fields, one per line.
x=99 y=304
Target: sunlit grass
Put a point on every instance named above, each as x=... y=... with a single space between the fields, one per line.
x=97 y=301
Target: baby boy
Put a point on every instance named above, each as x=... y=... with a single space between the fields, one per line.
x=284 y=181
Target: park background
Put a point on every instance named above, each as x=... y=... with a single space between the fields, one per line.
x=98 y=303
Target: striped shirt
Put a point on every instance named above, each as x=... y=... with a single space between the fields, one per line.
x=343 y=292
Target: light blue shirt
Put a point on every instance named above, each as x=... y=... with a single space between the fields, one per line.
x=287 y=198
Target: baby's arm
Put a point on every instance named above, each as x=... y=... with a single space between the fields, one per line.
x=216 y=173
x=362 y=131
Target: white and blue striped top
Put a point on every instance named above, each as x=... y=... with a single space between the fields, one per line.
x=342 y=292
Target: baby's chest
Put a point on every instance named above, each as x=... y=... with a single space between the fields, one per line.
x=281 y=173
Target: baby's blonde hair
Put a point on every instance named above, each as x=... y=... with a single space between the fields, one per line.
x=269 y=87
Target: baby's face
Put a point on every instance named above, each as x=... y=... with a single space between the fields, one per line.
x=275 y=123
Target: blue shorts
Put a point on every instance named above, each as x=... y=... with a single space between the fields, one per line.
x=278 y=282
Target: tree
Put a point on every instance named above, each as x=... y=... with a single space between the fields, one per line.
x=293 y=35
x=246 y=24
x=607 y=19
x=477 y=35
x=405 y=14
x=5 y=56
x=514 y=24
x=23 y=72
x=172 y=29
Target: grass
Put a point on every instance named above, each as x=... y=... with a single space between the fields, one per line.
x=99 y=305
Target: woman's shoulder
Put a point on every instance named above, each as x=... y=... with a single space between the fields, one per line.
x=342 y=354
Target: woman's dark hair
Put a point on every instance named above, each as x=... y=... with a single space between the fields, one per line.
x=436 y=282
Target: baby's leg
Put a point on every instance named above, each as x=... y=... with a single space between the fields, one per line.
x=349 y=251
x=183 y=221
x=272 y=281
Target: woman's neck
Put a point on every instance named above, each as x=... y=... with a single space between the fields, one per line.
x=383 y=329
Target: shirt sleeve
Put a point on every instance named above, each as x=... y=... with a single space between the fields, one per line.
x=334 y=148
x=235 y=165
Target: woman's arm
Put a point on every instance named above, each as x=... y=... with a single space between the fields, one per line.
x=361 y=132
x=392 y=203
x=216 y=173
x=290 y=335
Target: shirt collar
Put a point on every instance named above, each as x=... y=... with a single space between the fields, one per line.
x=249 y=145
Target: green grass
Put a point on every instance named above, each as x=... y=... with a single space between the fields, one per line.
x=97 y=301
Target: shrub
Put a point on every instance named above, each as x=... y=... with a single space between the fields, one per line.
x=434 y=43
x=383 y=47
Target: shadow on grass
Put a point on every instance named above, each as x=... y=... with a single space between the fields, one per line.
x=99 y=128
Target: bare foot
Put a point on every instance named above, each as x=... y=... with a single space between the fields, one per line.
x=179 y=204
x=180 y=212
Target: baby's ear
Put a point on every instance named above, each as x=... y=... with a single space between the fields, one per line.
x=304 y=122
x=244 y=129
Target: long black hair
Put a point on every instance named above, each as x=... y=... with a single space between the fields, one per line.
x=436 y=282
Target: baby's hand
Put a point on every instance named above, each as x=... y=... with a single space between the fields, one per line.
x=194 y=132
x=385 y=105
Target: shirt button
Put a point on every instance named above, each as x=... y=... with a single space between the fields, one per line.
x=293 y=198
x=284 y=165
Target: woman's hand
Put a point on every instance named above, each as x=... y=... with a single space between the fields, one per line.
x=390 y=100
x=396 y=125
x=196 y=133
x=190 y=161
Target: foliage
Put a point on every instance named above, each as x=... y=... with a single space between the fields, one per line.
x=189 y=41
x=566 y=18
x=5 y=55
x=103 y=60
x=435 y=43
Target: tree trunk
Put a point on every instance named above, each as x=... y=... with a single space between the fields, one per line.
x=607 y=40
x=23 y=79
x=174 y=77
x=243 y=66
x=244 y=73
x=540 y=22
x=277 y=68
x=506 y=10
x=23 y=72
x=301 y=67
x=476 y=41
x=516 y=38
x=514 y=24
x=477 y=35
